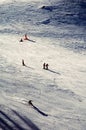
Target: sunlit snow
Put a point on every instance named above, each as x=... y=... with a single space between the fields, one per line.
x=59 y=93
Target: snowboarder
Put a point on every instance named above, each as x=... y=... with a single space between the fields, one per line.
x=44 y=66
x=23 y=62
x=25 y=37
x=47 y=66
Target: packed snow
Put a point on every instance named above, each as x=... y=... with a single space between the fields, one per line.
x=59 y=93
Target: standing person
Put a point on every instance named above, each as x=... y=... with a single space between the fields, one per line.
x=44 y=66
x=23 y=62
x=47 y=66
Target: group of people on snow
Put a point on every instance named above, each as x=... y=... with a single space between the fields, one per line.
x=25 y=38
x=45 y=66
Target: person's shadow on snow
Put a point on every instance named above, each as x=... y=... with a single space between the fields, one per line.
x=37 y=109
x=53 y=71
x=29 y=67
x=31 y=40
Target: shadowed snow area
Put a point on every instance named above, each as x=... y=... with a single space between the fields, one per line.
x=56 y=32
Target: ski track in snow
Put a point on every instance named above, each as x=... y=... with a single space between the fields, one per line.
x=58 y=94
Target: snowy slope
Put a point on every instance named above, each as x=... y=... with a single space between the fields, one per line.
x=58 y=94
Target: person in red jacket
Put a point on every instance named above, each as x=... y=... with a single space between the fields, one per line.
x=25 y=37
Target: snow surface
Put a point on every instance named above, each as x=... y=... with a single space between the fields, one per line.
x=58 y=94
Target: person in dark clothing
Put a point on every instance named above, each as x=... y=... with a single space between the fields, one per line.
x=21 y=40
x=44 y=66
x=23 y=62
x=30 y=102
x=47 y=66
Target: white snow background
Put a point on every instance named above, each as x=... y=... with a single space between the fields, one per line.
x=58 y=94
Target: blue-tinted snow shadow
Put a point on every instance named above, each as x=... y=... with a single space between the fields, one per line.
x=26 y=121
x=9 y=123
x=4 y=125
x=75 y=12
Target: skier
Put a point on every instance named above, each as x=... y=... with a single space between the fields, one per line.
x=44 y=66
x=23 y=62
x=47 y=66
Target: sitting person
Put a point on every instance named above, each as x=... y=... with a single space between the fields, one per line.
x=25 y=37
x=21 y=40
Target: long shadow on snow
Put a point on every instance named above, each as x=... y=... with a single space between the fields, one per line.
x=11 y=120
x=31 y=40
x=28 y=66
x=5 y=125
x=26 y=121
x=39 y=111
x=53 y=71
x=2 y=126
